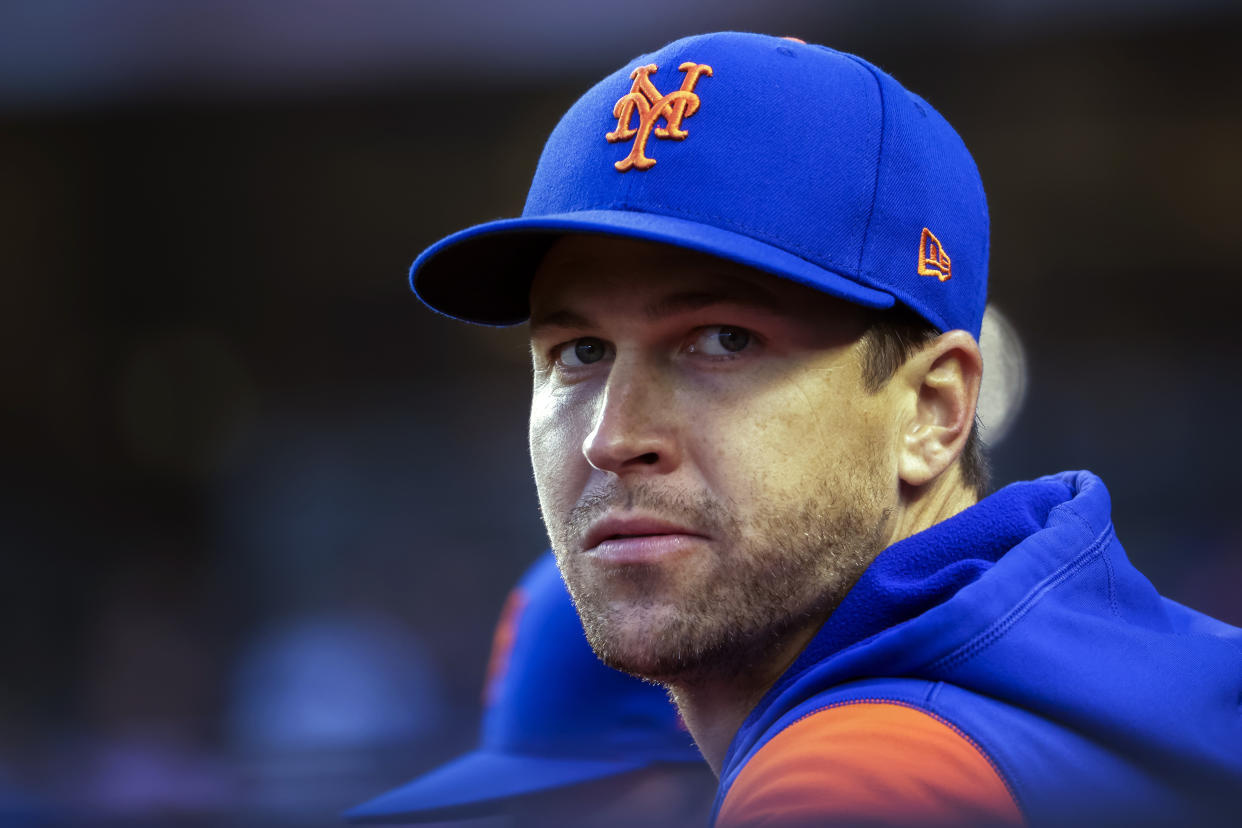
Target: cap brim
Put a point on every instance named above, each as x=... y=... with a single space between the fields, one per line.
x=482 y=274
x=479 y=782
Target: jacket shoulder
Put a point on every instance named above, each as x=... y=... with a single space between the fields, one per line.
x=870 y=762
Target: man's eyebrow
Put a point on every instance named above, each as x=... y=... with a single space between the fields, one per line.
x=697 y=300
x=563 y=318
x=664 y=306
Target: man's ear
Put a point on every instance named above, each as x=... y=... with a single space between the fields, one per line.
x=944 y=377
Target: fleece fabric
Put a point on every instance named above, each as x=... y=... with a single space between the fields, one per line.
x=1021 y=622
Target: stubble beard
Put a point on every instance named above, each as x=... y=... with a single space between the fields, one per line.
x=782 y=569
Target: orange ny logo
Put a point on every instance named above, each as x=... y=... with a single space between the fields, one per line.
x=651 y=106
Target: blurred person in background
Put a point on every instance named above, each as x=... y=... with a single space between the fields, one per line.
x=565 y=740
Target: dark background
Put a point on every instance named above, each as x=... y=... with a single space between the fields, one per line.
x=260 y=507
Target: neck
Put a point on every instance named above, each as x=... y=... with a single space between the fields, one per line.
x=714 y=706
x=924 y=506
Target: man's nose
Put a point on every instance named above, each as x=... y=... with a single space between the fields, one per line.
x=635 y=429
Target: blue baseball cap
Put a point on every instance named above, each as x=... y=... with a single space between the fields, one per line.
x=555 y=716
x=794 y=159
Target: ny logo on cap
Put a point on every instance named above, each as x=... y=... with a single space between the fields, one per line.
x=933 y=261
x=651 y=106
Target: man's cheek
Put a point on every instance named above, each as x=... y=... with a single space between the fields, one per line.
x=556 y=437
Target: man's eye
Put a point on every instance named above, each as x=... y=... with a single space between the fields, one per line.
x=720 y=340
x=581 y=352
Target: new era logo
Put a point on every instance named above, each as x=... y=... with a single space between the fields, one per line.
x=933 y=261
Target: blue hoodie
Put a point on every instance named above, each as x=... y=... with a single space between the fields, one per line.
x=1021 y=624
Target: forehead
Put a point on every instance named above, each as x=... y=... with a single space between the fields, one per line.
x=581 y=270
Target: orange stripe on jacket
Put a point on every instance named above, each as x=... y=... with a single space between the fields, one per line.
x=869 y=763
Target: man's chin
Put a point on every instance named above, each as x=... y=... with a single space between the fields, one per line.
x=659 y=668
x=651 y=643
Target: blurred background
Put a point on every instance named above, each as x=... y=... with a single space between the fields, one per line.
x=260 y=508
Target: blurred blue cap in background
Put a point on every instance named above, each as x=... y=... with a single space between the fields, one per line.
x=554 y=717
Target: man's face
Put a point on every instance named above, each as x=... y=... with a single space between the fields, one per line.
x=712 y=473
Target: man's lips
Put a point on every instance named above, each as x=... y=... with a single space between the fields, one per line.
x=636 y=528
